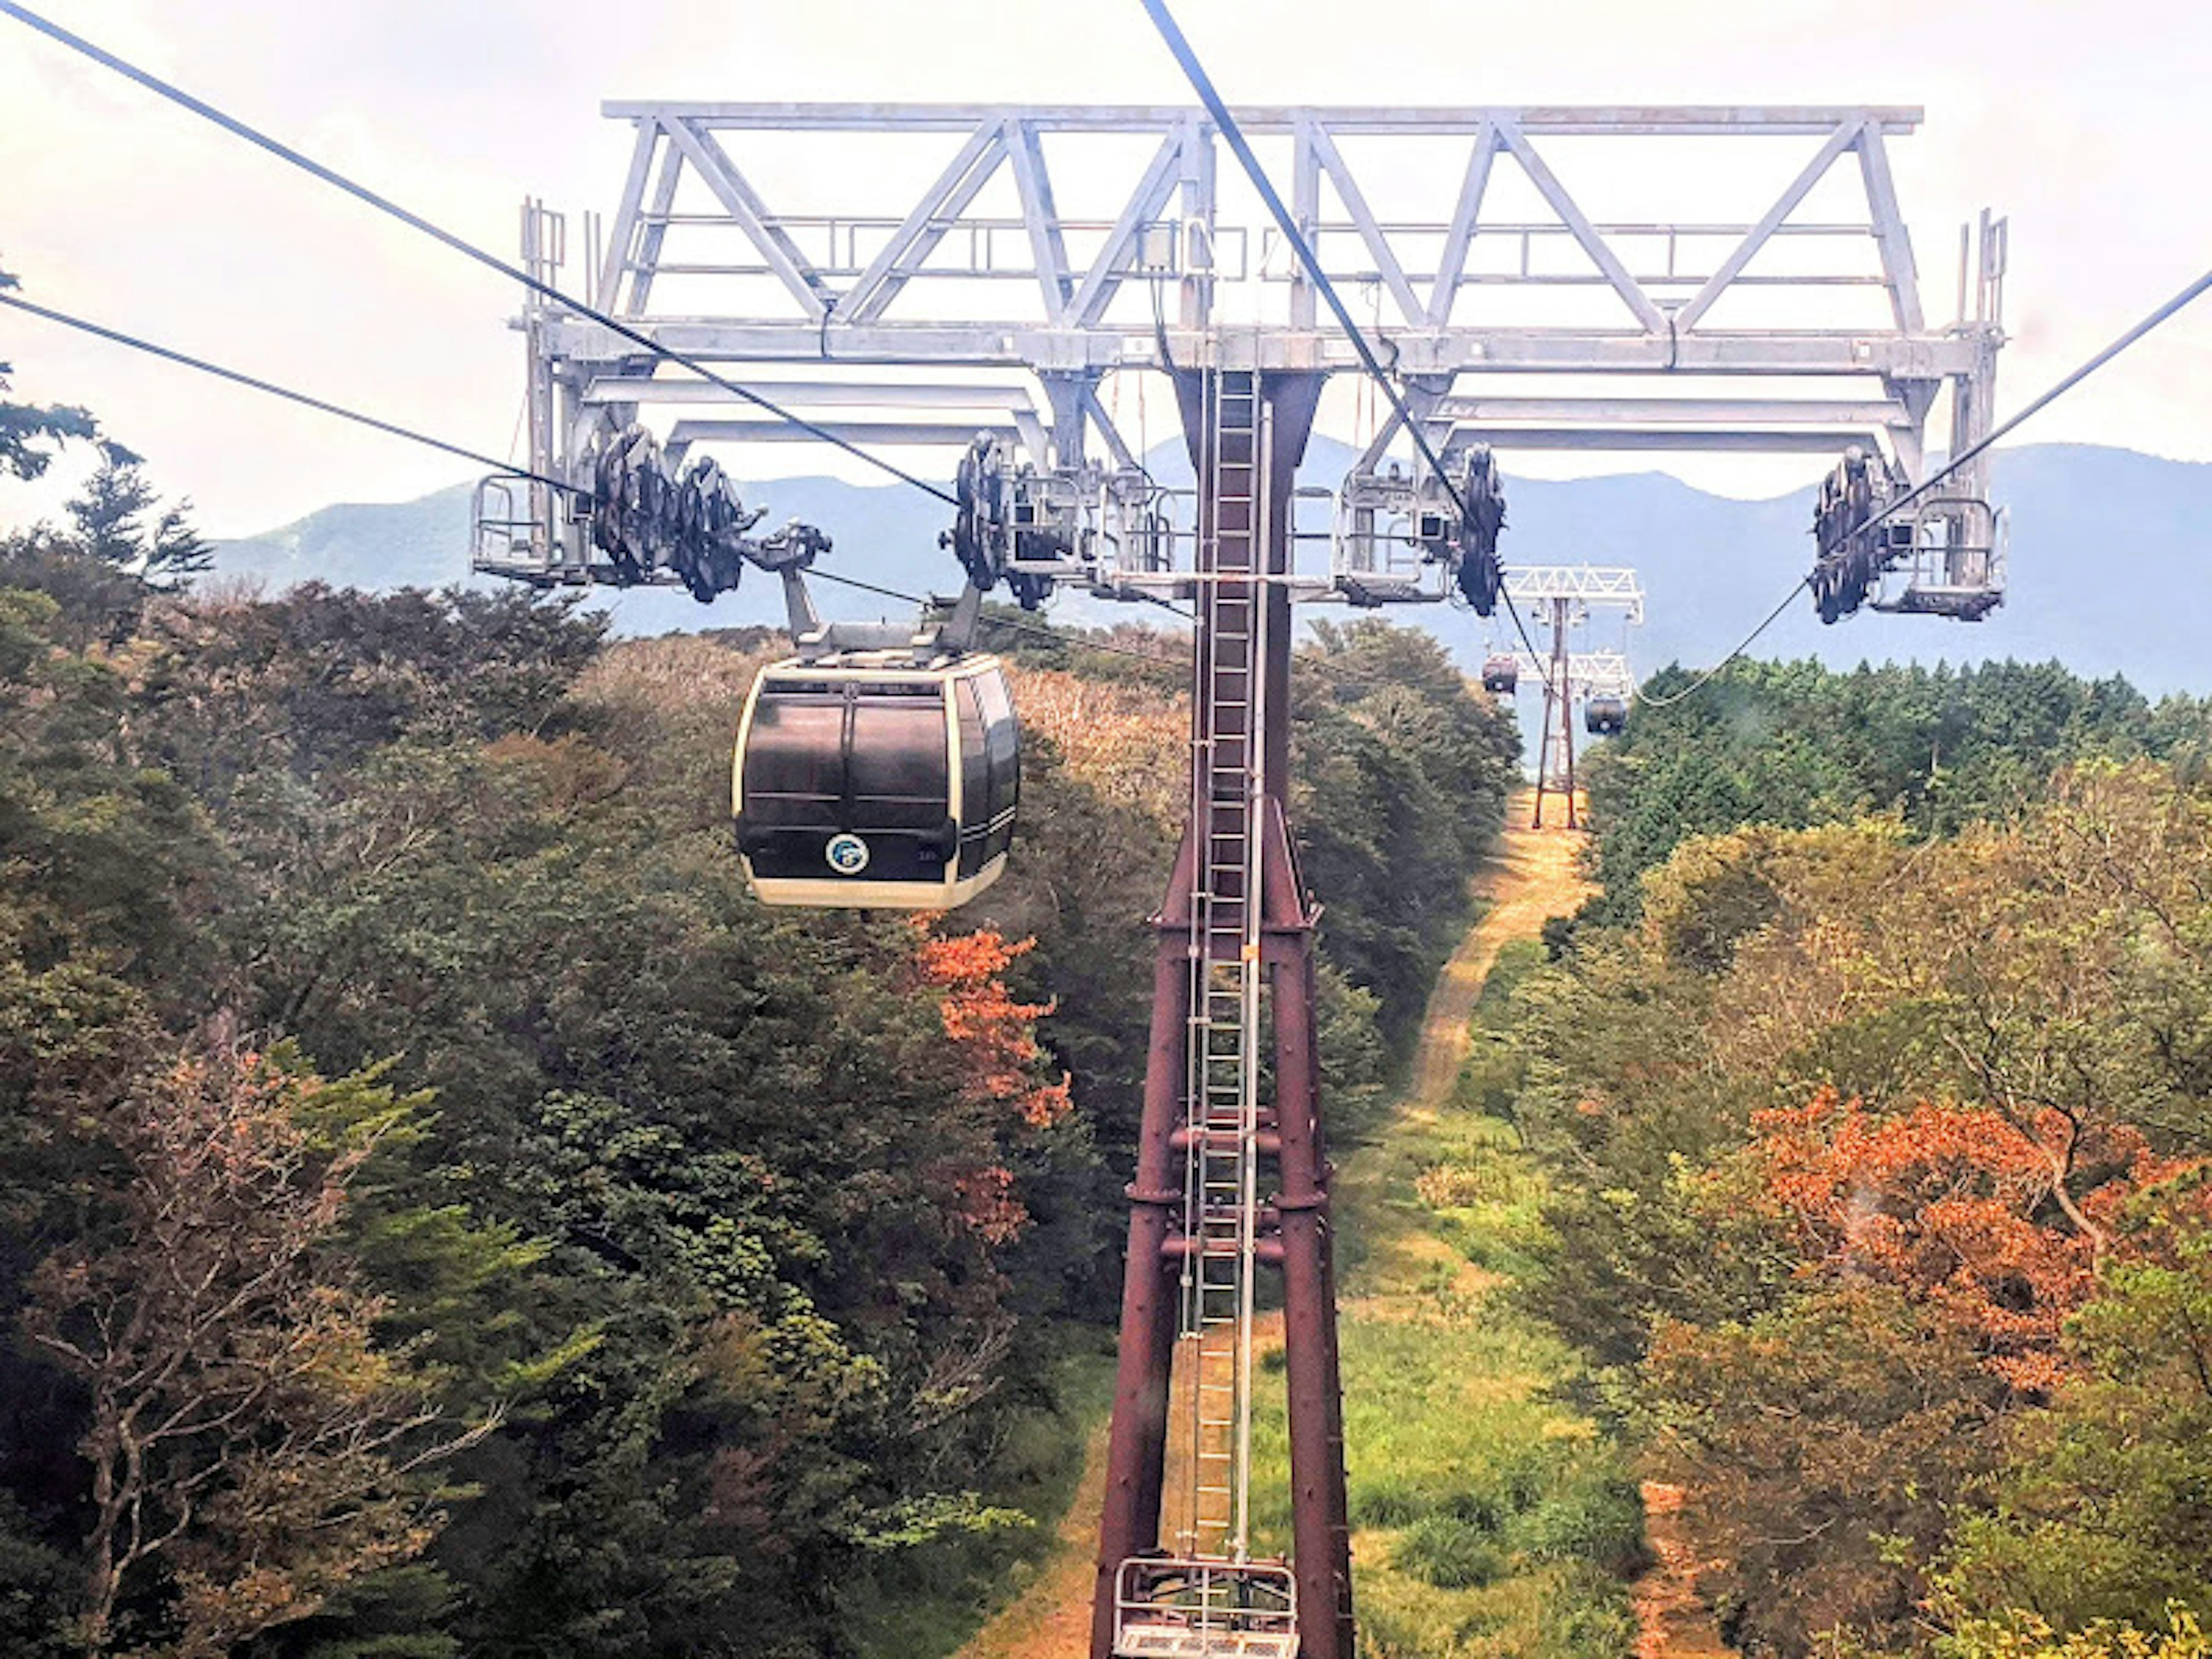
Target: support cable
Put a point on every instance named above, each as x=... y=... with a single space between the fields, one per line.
x=384 y=204
x=238 y=377
x=2178 y=302
x=118 y=336
x=1707 y=675
x=1233 y=135
x=2035 y=406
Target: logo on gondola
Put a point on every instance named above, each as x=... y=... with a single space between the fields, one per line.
x=848 y=854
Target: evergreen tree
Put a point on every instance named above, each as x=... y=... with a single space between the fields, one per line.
x=109 y=516
x=177 y=550
x=29 y=431
x=110 y=519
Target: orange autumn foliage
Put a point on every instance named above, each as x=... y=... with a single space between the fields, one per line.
x=1996 y=1223
x=995 y=1036
x=996 y=1058
x=987 y=1206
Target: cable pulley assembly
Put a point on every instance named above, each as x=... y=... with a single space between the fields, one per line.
x=1461 y=511
x=646 y=517
x=1855 y=544
x=999 y=524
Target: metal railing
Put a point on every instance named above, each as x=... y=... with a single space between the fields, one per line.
x=1167 y=1608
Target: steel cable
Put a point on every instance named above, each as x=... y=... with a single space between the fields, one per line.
x=384 y=204
x=1187 y=59
x=239 y=377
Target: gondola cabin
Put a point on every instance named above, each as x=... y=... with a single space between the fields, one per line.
x=1500 y=675
x=866 y=781
x=1604 y=716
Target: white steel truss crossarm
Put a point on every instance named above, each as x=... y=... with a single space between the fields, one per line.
x=896 y=280
x=868 y=268
x=1599 y=584
x=1589 y=673
x=1041 y=241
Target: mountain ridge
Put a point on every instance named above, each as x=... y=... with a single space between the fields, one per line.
x=2104 y=544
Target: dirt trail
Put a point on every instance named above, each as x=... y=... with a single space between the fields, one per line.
x=1672 y=1621
x=1534 y=877
x=1051 y=1619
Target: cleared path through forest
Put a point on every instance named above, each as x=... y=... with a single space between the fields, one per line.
x=1534 y=877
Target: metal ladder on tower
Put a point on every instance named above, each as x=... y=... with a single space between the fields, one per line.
x=1215 y=1602
x=1221 y=1198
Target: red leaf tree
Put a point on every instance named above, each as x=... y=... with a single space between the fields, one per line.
x=1995 y=1222
x=997 y=1061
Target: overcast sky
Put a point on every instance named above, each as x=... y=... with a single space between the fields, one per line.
x=2087 y=123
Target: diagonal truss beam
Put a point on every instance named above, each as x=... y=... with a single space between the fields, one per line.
x=624 y=228
x=1843 y=139
x=743 y=204
x=1363 y=219
x=1105 y=278
x=1890 y=235
x=1461 y=233
x=1040 y=218
x=654 y=231
x=1423 y=398
x=925 y=226
x=1580 y=227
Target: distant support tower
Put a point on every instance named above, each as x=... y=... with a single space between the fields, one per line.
x=1563 y=598
x=1555 y=745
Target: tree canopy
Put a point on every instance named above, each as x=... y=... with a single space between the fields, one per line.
x=1878 y=1151
x=603 y=1263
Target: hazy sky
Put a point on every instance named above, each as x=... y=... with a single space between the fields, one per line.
x=2087 y=123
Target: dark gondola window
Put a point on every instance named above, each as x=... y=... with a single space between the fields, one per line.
x=975 y=776
x=898 y=775
x=1002 y=746
x=794 y=764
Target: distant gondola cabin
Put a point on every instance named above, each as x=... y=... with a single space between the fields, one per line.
x=1604 y=716
x=1500 y=675
x=865 y=781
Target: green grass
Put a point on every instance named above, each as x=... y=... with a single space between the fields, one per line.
x=926 y=1601
x=1490 y=1520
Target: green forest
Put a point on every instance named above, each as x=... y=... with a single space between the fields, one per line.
x=444 y=1216
x=1873 y=1095
x=442 y=1213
